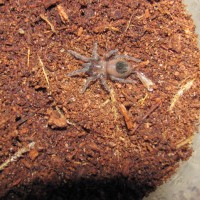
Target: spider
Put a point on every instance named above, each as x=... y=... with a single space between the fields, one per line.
x=112 y=66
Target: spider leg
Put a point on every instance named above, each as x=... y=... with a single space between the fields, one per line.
x=95 y=55
x=103 y=82
x=79 y=56
x=88 y=81
x=79 y=71
x=113 y=78
x=127 y=57
x=111 y=53
x=86 y=65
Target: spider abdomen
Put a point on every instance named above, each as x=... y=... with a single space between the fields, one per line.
x=118 y=68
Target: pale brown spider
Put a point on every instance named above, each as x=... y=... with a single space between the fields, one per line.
x=112 y=66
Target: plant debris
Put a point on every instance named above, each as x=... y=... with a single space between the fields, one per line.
x=180 y=92
x=17 y=155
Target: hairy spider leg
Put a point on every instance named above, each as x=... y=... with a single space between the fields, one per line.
x=113 y=78
x=79 y=56
x=103 y=81
x=127 y=57
x=111 y=53
x=87 y=83
x=95 y=54
x=86 y=64
x=79 y=71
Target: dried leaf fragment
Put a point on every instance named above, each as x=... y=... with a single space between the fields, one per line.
x=180 y=92
x=146 y=81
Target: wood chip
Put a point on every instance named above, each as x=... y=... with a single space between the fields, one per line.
x=48 y=3
x=63 y=15
x=127 y=117
x=33 y=154
x=80 y=31
x=16 y=182
x=175 y=43
x=56 y=120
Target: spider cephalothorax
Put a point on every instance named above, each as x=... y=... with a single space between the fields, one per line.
x=112 y=66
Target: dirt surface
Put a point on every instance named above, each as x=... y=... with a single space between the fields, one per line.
x=56 y=143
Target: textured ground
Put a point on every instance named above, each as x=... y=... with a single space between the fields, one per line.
x=56 y=142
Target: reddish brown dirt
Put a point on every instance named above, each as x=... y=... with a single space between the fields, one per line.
x=94 y=145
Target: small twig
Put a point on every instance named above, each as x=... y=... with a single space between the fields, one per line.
x=127 y=117
x=127 y=27
x=114 y=101
x=59 y=111
x=180 y=92
x=62 y=115
x=129 y=23
x=142 y=100
x=25 y=118
x=152 y=109
x=112 y=28
x=184 y=142
x=17 y=155
x=48 y=22
x=112 y=96
x=104 y=103
x=28 y=57
x=22 y=121
x=44 y=71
